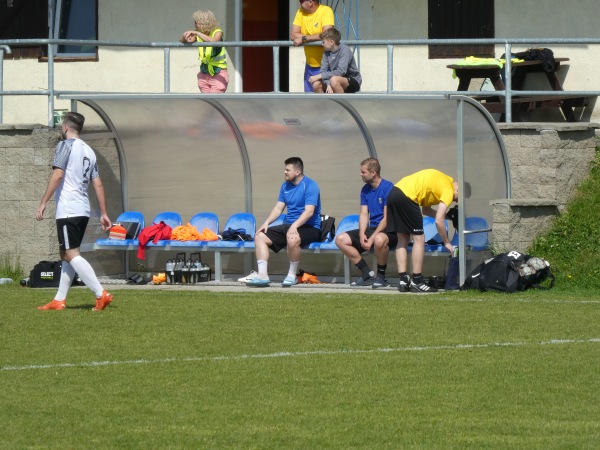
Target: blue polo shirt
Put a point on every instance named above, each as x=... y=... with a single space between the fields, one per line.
x=375 y=200
x=306 y=192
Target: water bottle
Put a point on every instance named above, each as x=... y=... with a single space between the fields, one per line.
x=6 y=280
x=170 y=270
x=178 y=268
x=185 y=273
x=195 y=271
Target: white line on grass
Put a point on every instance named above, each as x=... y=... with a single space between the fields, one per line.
x=295 y=354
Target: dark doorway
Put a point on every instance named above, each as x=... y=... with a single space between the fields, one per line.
x=265 y=21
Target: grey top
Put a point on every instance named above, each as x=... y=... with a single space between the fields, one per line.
x=340 y=62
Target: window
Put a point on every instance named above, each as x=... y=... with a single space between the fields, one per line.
x=23 y=19
x=69 y=19
x=461 y=19
x=75 y=19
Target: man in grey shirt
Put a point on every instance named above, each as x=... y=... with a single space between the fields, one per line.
x=339 y=72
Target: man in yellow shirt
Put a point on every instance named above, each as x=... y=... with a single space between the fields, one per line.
x=411 y=198
x=311 y=20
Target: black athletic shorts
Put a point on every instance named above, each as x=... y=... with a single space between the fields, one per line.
x=70 y=232
x=353 y=86
x=355 y=238
x=278 y=233
x=403 y=214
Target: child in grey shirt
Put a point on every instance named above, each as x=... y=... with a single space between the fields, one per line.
x=339 y=72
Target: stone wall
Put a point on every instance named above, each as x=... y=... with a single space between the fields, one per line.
x=547 y=163
x=26 y=154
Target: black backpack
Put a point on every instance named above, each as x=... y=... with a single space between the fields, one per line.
x=510 y=272
x=327 y=227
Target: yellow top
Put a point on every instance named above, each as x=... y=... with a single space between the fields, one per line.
x=428 y=187
x=313 y=24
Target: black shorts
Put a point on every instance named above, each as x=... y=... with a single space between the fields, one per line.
x=70 y=232
x=353 y=86
x=403 y=215
x=355 y=238
x=278 y=233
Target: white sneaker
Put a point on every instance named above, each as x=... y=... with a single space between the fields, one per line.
x=248 y=277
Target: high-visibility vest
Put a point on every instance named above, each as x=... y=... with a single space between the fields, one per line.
x=205 y=55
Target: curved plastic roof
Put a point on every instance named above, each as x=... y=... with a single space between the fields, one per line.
x=226 y=153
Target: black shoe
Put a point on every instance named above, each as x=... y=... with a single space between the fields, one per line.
x=362 y=282
x=380 y=281
x=404 y=285
x=421 y=287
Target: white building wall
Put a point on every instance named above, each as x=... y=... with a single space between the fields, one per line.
x=141 y=70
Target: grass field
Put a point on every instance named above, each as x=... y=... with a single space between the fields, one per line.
x=198 y=369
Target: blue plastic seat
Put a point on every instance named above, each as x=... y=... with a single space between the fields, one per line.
x=476 y=241
x=127 y=216
x=206 y=220
x=173 y=219
x=347 y=223
x=243 y=220
x=431 y=232
x=200 y=221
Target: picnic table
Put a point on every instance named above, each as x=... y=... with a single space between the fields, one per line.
x=520 y=70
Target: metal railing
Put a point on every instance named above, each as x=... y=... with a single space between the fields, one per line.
x=508 y=93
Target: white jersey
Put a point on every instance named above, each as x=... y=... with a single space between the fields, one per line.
x=78 y=161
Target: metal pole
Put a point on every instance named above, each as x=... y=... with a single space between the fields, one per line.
x=460 y=141
x=276 y=69
x=3 y=48
x=508 y=83
x=167 y=65
x=390 y=69
x=239 y=73
x=50 y=86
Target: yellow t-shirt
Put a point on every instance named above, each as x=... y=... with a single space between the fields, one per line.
x=313 y=24
x=428 y=187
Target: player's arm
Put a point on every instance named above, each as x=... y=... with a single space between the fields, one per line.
x=53 y=183
x=99 y=188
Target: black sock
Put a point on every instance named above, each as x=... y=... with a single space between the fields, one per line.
x=364 y=268
x=417 y=278
x=381 y=270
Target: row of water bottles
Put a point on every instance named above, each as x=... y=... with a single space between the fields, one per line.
x=187 y=271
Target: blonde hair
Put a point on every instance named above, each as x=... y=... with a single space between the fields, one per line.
x=205 y=22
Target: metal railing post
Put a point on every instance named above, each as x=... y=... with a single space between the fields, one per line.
x=508 y=82
x=276 y=69
x=167 y=65
x=3 y=48
x=390 y=69
x=50 y=86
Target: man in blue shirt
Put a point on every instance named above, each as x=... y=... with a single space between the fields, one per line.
x=371 y=227
x=302 y=224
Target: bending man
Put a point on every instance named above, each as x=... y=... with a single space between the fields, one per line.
x=411 y=198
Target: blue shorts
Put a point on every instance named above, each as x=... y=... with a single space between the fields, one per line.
x=309 y=71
